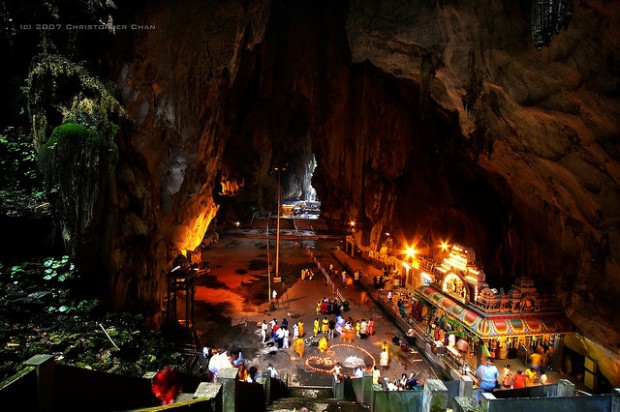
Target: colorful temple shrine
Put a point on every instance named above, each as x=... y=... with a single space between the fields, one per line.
x=496 y=323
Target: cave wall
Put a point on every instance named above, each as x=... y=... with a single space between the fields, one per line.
x=427 y=119
x=544 y=121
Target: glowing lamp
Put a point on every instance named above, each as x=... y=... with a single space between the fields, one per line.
x=444 y=246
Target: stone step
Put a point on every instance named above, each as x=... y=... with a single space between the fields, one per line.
x=315 y=392
x=291 y=404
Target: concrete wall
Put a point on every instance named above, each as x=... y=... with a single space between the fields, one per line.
x=453 y=388
x=595 y=403
x=249 y=396
x=538 y=391
x=20 y=388
x=386 y=401
x=77 y=388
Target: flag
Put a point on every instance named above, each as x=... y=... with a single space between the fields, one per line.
x=485 y=351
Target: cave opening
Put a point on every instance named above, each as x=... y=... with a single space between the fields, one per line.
x=300 y=199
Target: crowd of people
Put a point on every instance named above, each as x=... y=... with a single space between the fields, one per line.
x=330 y=323
x=232 y=357
x=307 y=273
x=405 y=383
x=535 y=374
x=336 y=326
x=490 y=379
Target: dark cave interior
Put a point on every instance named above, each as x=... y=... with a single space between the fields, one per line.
x=425 y=121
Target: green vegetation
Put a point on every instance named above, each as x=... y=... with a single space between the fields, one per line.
x=56 y=84
x=39 y=314
x=59 y=269
x=21 y=186
x=68 y=145
x=75 y=121
x=17 y=159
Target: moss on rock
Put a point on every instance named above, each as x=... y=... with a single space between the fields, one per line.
x=76 y=120
x=62 y=91
x=70 y=146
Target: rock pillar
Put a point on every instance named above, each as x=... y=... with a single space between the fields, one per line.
x=466 y=386
x=565 y=388
x=435 y=396
x=45 y=380
x=228 y=378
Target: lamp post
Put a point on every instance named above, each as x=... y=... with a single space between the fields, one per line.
x=279 y=170
x=268 y=259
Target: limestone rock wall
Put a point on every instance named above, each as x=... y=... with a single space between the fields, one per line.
x=429 y=120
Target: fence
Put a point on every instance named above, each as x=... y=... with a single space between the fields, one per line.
x=319 y=266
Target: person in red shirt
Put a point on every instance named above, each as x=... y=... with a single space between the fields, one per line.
x=518 y=380
x=165 y=386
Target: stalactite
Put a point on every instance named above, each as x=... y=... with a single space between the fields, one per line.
x=548 y=18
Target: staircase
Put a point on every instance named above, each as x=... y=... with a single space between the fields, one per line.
x=314 y=398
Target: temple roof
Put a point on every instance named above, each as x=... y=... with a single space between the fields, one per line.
x=488 y=326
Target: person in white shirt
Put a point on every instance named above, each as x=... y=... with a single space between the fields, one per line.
x=285 y=340
x=376 y=374
x=263 y=331
x=363 y=329
x=280 y=336
x=218 y=362
x=392 y=386
x=295 y=331
x=272 y=371
x=337 y=371
x=543 y=380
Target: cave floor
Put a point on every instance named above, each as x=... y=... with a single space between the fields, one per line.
x=231 y=301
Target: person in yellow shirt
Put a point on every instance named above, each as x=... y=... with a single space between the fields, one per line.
x=358 y=326
x=299 y=347
x=242 y=373
x=536 y=359
x=325 y=326
x=530 y=377
x=300 y=324
x=316 y=327
x=323 y=346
